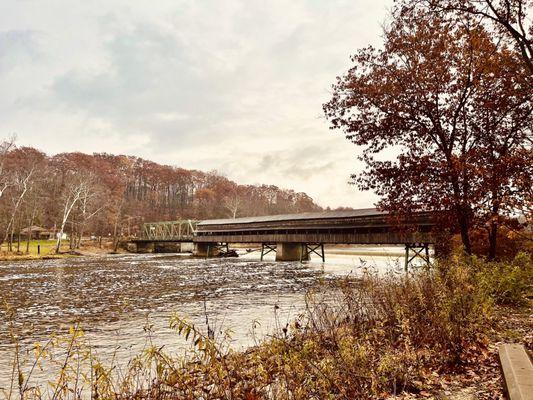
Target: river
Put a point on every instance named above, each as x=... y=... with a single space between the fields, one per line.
x=114 y=297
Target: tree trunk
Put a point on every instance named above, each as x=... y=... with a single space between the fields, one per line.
x=115 y=228
x=464 y=230
x=66 y=214
x=461 y=212
x=116 y=239
x=80 y=235
x=30 y=224
x=28 y=239
x=11 y=237
x=72 y=236
x=494 y=224
x=493 y=233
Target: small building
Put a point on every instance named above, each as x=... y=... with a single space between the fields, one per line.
x=36 y=232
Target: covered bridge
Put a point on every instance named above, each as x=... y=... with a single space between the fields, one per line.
x=296 y=236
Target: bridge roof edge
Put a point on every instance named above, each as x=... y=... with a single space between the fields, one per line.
x=363 y=212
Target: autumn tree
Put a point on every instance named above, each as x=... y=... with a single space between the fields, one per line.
x=77 y=186
x=5 y=180
x=510 y=17
x=22 y=165
x=106 y=195
x=444 y=115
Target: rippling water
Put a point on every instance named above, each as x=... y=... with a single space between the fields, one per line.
x=112 y=297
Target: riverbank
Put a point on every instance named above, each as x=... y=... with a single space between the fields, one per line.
x=426 y=336
x=430 y=334
x=481 y=376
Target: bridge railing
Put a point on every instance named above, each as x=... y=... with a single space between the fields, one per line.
x=169 y=230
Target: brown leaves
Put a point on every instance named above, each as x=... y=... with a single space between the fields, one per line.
x=456 y=109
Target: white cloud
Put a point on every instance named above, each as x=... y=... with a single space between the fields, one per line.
x=235 y=86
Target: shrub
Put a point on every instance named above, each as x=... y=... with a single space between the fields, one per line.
x=506 y=282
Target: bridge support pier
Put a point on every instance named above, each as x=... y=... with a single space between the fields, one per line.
x=416 y=250
x=167 y=247
x=267 y=248
x=292 y=252
x=202 y=249
x=316 y=248
x=144 y=247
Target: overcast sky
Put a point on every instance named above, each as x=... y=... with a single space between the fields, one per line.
x=235 y=86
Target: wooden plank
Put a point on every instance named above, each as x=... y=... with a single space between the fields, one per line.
x=517 y=371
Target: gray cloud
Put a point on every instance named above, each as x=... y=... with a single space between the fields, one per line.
x=235 y=86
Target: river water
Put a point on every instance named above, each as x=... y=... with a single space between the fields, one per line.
x=113 y=298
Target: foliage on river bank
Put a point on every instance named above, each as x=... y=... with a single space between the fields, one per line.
x=371 y=337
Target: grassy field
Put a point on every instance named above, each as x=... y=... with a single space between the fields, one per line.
x=47 y=248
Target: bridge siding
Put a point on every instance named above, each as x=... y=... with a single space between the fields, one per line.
x=326 y=238
x=334 y=223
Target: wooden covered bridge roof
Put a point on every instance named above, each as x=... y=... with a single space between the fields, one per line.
x=366 y=217
x=307 y=216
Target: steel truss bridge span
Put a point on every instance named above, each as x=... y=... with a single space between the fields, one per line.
x=173 y=231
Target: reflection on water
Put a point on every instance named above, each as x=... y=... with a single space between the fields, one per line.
x=111 y=297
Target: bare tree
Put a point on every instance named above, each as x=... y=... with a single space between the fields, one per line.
x=5 y=147
x=233 y=204
x=22 y=165
x=88 y=209
x=75 y=191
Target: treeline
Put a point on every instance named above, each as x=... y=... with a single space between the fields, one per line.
x=111 y=195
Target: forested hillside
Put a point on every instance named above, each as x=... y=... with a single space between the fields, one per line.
x=111 y=195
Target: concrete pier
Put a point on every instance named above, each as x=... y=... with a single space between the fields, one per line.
x=142 y=246
x=291 y=252
x=167 y=247
x=202 y=249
